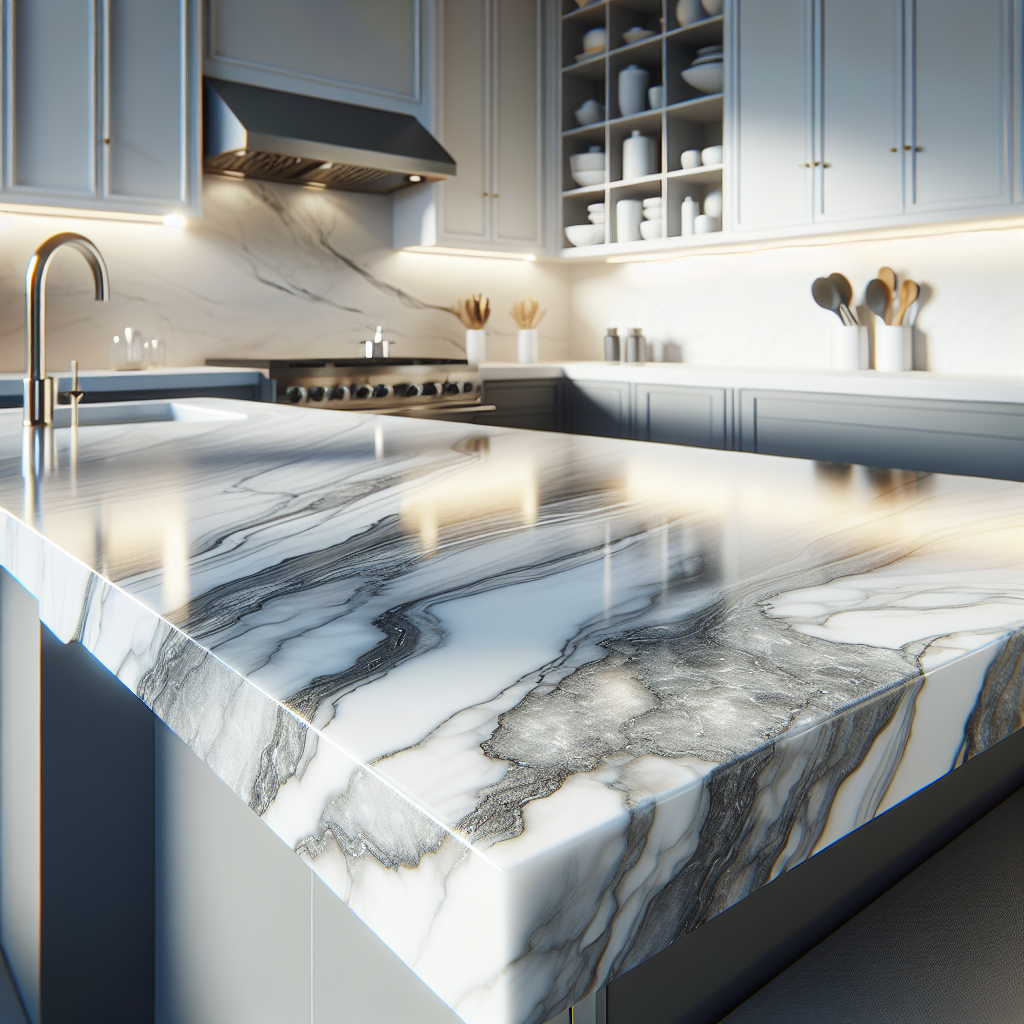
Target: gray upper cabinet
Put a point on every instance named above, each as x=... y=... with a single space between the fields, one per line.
x=490 y=117
x=859 y=168
x=681 y=415
x=960 y=84
x=371 y=54
x=854 y=113
x=102 y=106
x=773 y=183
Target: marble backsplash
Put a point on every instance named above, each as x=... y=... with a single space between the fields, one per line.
x=276 y=270
x=755 y=308
x=269 y=270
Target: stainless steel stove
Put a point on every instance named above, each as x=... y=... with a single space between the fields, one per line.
x=429 y=388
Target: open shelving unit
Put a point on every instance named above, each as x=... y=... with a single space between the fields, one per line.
x=690 y=119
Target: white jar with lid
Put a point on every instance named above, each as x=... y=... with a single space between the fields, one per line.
x=639 y=155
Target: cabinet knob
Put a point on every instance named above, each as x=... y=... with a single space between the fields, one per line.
x=894 y=149
x=908 y=147
x=804 y=164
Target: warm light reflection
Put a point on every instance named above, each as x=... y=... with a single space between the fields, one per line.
x=493 y=488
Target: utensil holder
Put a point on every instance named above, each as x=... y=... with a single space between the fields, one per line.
x=476 y=347
x=847 y=345
x=893 y=348
x=528 y=344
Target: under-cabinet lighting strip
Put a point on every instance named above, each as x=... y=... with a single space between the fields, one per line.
x=431 y=250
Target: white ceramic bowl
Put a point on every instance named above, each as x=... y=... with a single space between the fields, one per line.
x=595 y=39
x=711 y=155
x=705 y=225
x=590 y=113
x=596 y=218
x=652 y=201
x=595 y=208
x=586 y=161
x=713 y=203
x=587 y=178
x=634 y=35
x=585 y=234
x=705 y=77
x=713 y=7
x=650 y=229
x=690 y=159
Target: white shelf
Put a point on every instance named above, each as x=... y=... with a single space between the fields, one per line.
x=701 y=175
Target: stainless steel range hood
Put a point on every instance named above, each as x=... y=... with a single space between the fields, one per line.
x=279 y=136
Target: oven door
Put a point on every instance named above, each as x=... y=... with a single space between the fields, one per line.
x=451 y=413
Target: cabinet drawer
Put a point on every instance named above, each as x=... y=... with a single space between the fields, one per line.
x=970 y=438
x=599 y=407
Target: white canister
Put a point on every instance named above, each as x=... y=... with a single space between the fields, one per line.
x=713 y=203
x=639 y=155
x=628 y=214
x=633 y=83
x=656 y=97
x=528 y=345
x=476 y=347
x=849 y=344
x=705 y=225
x=894 y=348
x=689 y=159
x=691 y=210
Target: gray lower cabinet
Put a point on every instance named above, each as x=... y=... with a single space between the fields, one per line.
x=970 y=438
x=528 y=404
x=603 y=408
x=682 y=415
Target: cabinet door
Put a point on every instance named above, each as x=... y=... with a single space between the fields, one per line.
x=971 y=438
x=681 y=415
x=465 y=119
x=861 y=110
x=535 y=405
x=773 y=113
x=52 y=107
x=152 y=81
x=596 y=407
x=518 y=122
x=959 y=64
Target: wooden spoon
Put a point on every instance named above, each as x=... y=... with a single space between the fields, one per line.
x=888 y=276
x=909 y=292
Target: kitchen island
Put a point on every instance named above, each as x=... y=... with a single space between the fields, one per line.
x=534 y=706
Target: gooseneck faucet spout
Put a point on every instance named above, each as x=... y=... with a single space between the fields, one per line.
x=38 y=387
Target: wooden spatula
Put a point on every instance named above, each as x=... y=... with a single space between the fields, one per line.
x=909 y=292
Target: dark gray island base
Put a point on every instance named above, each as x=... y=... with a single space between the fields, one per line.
x=541 y=720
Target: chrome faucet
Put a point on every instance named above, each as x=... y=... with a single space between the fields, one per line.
x=39 y=394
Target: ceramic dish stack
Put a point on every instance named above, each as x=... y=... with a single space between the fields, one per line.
x=707 y=72
x=588 y=168
x=595 y=213
x=650 y=226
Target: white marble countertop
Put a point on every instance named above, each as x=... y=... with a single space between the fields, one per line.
x=912 y=384
x=534 y=705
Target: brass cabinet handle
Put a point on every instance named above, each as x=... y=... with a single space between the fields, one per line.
x=894 y=149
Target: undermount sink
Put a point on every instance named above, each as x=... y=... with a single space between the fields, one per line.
x=164 y=411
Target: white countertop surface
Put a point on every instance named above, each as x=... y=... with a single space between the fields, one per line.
x=138 y=380
x=911 y=384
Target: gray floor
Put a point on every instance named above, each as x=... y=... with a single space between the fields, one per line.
x=943 y=946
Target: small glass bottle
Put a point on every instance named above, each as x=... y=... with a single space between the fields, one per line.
x=612 y=353
x=133 y=349
x=154 y=353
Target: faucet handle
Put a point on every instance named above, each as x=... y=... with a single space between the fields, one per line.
x=76 y=391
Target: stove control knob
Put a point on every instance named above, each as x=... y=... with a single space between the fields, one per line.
x=295 y=394
x=382 y=390
x=467 y=387
x=339 y=393
x=318 y=393
x=411 y=390
x=452 y=388
x=430 y=388
x=364 y=391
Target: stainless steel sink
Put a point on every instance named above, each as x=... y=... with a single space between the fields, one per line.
x=163 y=411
